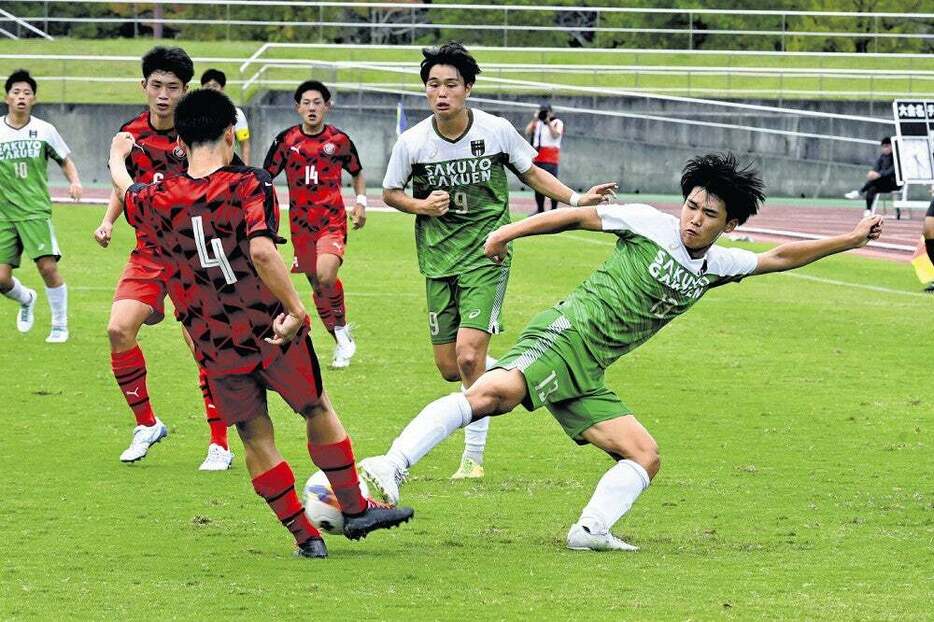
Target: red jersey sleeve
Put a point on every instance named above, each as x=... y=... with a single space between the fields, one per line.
x=260 y=206
x=133 y=204
x=350 y=161
x=277 y=155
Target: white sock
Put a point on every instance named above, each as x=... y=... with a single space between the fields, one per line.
x=475 y=433
x=340 y=334
x=616 y=491
x=19 y=292
x=435 y=423
x=58 y=302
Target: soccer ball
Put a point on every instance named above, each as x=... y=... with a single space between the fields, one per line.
x=321 y=506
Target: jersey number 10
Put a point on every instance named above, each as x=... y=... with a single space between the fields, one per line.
x=219 y=260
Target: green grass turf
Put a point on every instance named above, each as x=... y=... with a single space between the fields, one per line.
x=794 y=419
x=732 y=85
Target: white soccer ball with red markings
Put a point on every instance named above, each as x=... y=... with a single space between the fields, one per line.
x=321 y=506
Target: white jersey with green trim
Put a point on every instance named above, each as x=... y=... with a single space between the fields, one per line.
x=648 y=281
x=24 y=176
x=472 y=168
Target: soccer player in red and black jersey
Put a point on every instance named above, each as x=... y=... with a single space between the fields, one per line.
x=141 y=289
x=313 y=155
x=216 y=228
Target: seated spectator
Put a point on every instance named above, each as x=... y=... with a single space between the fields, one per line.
x=881 y=178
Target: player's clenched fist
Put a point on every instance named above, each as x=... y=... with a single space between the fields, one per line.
x=436 y=203
x=868 y=229
x=102 y=234
x=285 y=327
x=122 y=144
x=495 y=247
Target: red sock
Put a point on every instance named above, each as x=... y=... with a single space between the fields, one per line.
x=130 y=371
x=336 y=296
x=217 y=425
x=337 y=462
x=277 y=487
x=323 y=304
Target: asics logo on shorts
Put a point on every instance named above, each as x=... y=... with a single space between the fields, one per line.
x=473 y=314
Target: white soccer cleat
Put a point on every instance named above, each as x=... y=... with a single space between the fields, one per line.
x=27 y=315
x=581 y=539
x=381 y=476
x=852 y=194
x=340 y=360
x=346 y=347
x=59 y=334
x=218 y=459
x=144 y=437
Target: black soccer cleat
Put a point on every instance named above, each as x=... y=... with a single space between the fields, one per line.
x=313 y=547
x=377 y=516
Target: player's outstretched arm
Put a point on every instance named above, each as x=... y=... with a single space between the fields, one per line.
x=554 y=221
x=545 y=183
x=796 y=254
x=104 y=231
x=273 y=273
x=74 y=181
x=435 y=204
x=120 y=148
x=358 y=212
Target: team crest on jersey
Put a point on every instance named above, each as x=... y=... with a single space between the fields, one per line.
x=178 y=152
x=477 y=147
x=329 y=148
x=33 y=133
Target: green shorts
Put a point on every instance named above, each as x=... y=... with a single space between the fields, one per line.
x=473 y=299
x=561 y=375
x=34 y=238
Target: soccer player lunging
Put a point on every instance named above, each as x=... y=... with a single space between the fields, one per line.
x=456 y=160
x=216 y=229
x=26 y=144
x=141 y=290
x=313 y=155
x=660 y=267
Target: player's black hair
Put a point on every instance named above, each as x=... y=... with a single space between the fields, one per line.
x=214 y=74
x=740 y=189
x=202 y=116
x=312 y=85
x=453 y=54
x=21 y=75
x=886 y=140
x=171 y=60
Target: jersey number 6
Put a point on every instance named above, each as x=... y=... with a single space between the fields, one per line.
x=219 y=260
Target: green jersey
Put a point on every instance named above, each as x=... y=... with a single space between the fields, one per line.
x=648 y=281
x=472 y=169
x=24 y=177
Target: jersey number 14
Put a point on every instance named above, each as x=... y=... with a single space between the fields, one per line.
x=219 y=260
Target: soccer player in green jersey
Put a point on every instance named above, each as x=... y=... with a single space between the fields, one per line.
x=456 y=160
x=660 y=267
x=26 y=144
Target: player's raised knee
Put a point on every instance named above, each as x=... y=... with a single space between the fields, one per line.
x=470 y=361
x=121 y=334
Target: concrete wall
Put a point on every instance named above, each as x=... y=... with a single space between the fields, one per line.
x=643 y=156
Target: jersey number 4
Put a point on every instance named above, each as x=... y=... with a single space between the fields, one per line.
x=219 y=260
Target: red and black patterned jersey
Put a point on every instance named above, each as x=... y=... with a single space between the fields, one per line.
x=202 y=228
x=313 y=166
x=158 y=156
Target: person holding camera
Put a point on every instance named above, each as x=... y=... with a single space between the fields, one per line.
x=545 y=131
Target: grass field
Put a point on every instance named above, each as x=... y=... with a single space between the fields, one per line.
x=794 y=417
x=79 y=88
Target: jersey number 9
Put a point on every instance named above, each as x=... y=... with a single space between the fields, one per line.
x=460 y=202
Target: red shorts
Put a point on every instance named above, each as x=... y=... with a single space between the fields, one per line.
x=295 y=375
x=145 y=281
x=308 y=246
